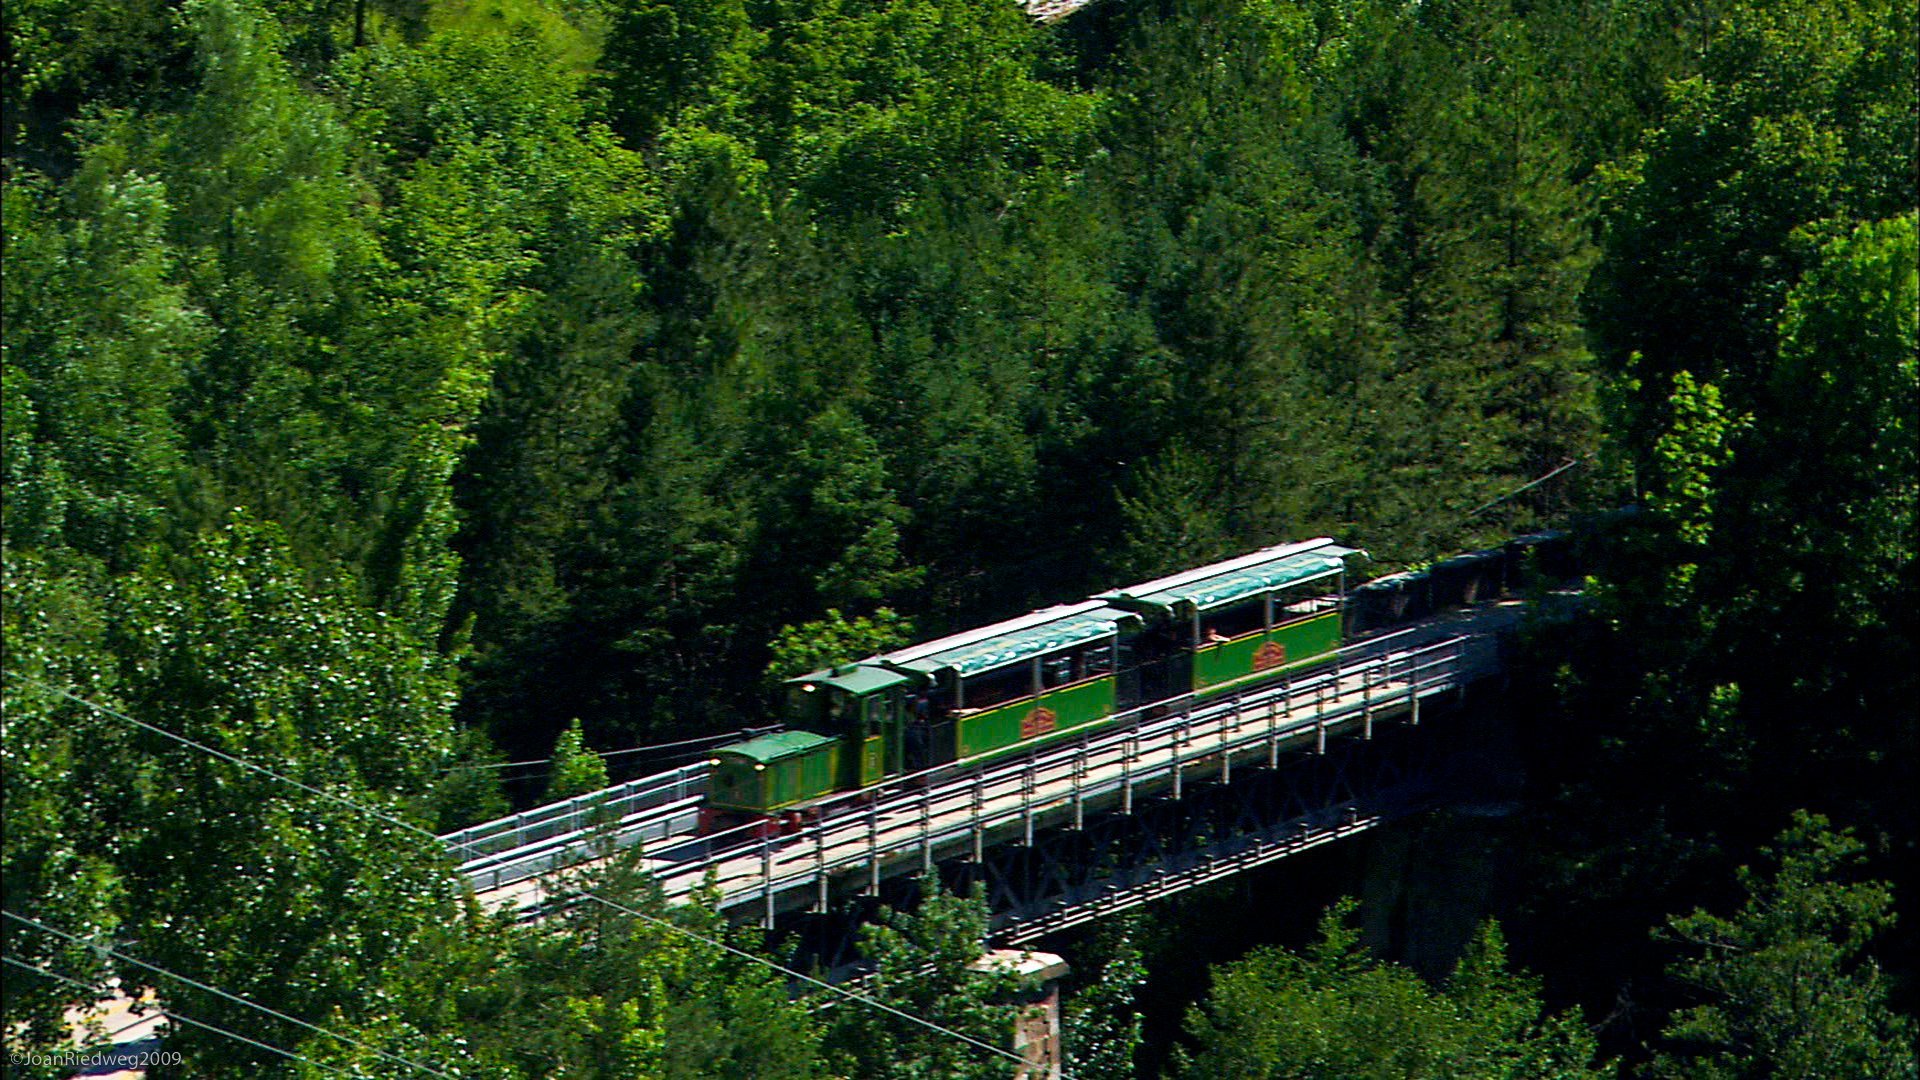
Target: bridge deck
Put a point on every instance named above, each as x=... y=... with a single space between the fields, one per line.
x=908 y=824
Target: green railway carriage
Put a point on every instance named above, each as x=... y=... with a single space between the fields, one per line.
x=1252 y=618
x=1053 y=674
x=999 y=689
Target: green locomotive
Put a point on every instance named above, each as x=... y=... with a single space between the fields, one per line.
x=1050 y=675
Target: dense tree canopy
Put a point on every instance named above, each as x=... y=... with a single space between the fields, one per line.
x=1787 y=991
x=396 y=388
x=1334 y=1012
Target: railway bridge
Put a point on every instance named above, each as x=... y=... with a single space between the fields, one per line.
x=1178 y=795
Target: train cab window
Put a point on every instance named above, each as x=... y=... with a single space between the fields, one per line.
x=843 y=713
x=1232 y=621
x=807 y=707
x=1001 y=685
x=1057 y=670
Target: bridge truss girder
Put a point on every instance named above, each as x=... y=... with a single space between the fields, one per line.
x=1223 y=822
x=1220 y=826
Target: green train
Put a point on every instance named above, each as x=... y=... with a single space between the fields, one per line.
x=1051 y=675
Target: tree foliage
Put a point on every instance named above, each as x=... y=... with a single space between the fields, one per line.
x=1787 y=989
x=389 y=383
x=1333 y=1012
x=575 y=769
x=1753 y=628
x=921 y=966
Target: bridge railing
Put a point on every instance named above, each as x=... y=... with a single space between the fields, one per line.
x=576 y=816
x=1116 y=728
x=601 y=836
x=943 y=807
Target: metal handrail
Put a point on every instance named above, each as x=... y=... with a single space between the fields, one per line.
x=520 y=864
x=1428 y=666
x=539 y=823
x=1145 y=751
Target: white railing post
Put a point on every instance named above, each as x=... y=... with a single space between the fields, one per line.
x=873 y=848
x=1226 y=750
x=979 y=812
x=766 y=879
x=1128 y=751
x=1319 y=719
x=1460 y=666
x=1413 y=692
x=1026 y=798
x=820 y=863
x=1179 y=745
x=1079 y=771
x=926 y=831
x=1366 y=701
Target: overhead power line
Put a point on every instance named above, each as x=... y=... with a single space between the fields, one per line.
x=850 y=995
x=641 y=915
x=656 y=748
x=198 y=985
x=1528 y=486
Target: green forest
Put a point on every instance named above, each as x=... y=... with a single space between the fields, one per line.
x=398 y=392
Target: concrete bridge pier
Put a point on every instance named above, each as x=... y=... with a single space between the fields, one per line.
x=1036 y=1025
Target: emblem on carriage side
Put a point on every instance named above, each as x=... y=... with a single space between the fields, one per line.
x=1270 y=655
x=1039 y=722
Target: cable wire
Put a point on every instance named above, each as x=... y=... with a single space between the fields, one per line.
x=655 y=920
x=184 y=1019
x=850 y=995
x=198 y=985
x=1570 y=463
x=134 y=1023
x=613 y=753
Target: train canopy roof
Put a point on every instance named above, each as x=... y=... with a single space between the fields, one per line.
x=856 y=679
x=1028 y=636
x=767 y=749
x=1236 y=579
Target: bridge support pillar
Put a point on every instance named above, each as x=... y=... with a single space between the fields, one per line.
x=1036 y=1026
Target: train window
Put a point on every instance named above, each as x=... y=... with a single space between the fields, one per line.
x=843 y=713
x=1001 y=685
x=1300 y=600
x=806 y=707
x=1234 y=620
x=1056 y=670
x=1099 y=659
